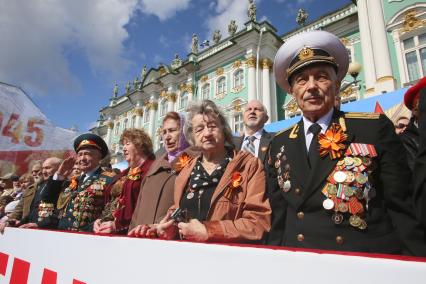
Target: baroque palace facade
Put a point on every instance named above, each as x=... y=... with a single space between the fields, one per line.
x=387 y=38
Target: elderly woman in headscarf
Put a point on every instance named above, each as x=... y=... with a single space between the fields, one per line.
x=123 y=193
x=156 y=194
x=219 y=195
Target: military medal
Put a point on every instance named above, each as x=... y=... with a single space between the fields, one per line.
x=361 y=179
x=190 y=195
x=350 y=177
x=337 y=218
x=355 y=221
x=342 y=207
x=331 y=189
x=287 y=186
x=328 y=204
x=339 y=176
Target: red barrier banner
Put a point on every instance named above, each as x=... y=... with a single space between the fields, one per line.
x=73 y=258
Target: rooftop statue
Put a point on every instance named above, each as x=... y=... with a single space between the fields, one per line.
x=251 y=11
x=232 y=28
x=115 y=91
x=302 y=16
x=217 y=36
x=128 y=87
x=194 y=48
x=176 y=62
x=136 y=83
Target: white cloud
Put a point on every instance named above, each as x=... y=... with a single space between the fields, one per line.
x=164 y=9
x=164 y=41
x=38 y=38
x=225 y=11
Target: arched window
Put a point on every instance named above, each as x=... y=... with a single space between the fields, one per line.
x=239 y=78
x=414 y=50
x=183 y=100
x=163 y=107
x=205 y=92
x=117 y=128
x=221 y=86
x=125 y=124
x=133 y=121
x=146 y=115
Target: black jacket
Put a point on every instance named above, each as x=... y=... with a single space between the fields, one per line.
x=298 y=216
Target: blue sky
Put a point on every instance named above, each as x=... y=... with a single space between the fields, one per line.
x=67 y=55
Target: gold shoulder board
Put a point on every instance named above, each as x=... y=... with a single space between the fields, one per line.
x=108 y=174
x=362 y=115
x=285 y=129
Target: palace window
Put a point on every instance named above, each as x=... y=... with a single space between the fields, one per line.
x=125 y=124
x=117 y=128
x=205 y=92
x=239 y=79
x=221 y=86
x=163 y=108
x=146 y=115
x=183 y=100
x=134 y=121
x=238 y=122
x=415 y=56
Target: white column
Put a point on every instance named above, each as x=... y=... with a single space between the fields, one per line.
x=171 y=99
x=274 y=105
x=152 y=110
x=110 y=125
x=382 y=62
x=266 y=90
x=366 y=47
x=251 y=64
x=400 y=58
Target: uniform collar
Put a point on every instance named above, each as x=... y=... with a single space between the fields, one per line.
x=324 y=122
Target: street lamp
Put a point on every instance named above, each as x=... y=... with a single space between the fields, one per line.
x=353 y=70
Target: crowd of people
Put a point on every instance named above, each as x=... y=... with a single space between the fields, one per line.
x=333 y=181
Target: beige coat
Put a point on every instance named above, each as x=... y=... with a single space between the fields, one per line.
x=156 y=195
x=246 y=215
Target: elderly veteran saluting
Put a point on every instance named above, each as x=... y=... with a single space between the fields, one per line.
x=336 y=180
x=85 y=194
x=220 y=194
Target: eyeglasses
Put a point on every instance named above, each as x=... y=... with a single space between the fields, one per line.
x=401 y=125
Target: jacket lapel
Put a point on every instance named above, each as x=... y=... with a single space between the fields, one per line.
x=264 y=144
x=324 y=166
x=297 y=155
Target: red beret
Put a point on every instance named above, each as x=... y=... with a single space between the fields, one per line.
x=413 y=92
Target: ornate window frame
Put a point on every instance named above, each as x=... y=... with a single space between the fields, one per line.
x=238 y=80
x=205 y=91
x=221 y=88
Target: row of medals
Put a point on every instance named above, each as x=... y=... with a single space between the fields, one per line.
x=83 y=208
x=347 y=190
x=45 y=210
x=283 y=178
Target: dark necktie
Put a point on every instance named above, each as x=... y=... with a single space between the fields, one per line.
x=313 y=154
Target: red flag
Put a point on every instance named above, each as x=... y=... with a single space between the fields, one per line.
x=378 y=108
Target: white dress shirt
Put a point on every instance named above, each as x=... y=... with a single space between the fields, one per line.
x=324 y=122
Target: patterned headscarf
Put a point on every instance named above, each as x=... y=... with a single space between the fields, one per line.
x=183 y=144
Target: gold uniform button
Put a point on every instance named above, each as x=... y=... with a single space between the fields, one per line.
x=339 y=240
x=300 y=215
x=300 y=237
x=298 y=191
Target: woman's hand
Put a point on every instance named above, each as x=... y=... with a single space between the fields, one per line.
x=194 y=230
x=97 y=225
x=141 y=231
x=107 y=227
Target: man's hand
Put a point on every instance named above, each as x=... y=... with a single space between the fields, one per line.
x=29 y=226
x=3 y=225
x=66 y=166
x=194 y=230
